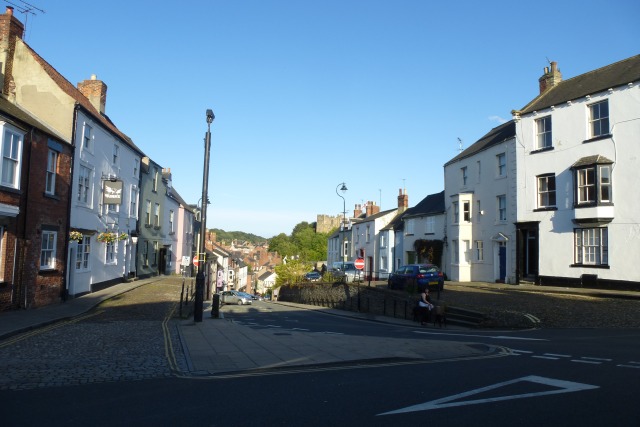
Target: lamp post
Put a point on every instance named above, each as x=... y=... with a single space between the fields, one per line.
x=343 y=187
x=197 y=314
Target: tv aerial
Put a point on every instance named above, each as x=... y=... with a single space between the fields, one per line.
x=27 y=9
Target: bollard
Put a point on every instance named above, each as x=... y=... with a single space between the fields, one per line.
x=215 y=306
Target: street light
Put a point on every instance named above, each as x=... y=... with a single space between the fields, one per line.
x=197 y=314
x=343 y=188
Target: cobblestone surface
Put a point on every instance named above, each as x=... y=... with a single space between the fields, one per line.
x=122 y=339
x=508 y=308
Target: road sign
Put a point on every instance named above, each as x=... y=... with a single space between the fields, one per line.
x=195 y=260
x=359 y=263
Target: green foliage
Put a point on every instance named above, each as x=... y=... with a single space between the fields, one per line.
x=222 y=235
x=303 y=243
x=429 y=251
x=291 y=272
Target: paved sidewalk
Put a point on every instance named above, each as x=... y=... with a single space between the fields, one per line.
x=218 y=346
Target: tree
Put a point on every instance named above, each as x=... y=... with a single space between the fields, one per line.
x=304 y=243
x=283 y=245
x=290 y=273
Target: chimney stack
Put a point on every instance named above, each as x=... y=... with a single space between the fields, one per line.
x=10 y=29
x=357 y=211
x=403 y=201
x=550 y=78
x=95 y=91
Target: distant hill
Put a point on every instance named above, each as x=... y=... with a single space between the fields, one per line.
x=238 y=235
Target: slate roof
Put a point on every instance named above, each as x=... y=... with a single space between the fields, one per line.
x=495 y=136
x=596 y=159
x=617 y=74
x=430 y=205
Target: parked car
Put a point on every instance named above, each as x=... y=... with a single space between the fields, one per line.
x=312 y=276
x=347 y=273
x=253 y=297
x=235 y=297
x=420 y=275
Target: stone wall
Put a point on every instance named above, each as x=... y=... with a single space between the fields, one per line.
x=352 y=297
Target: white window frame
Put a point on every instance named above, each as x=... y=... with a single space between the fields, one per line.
x=171 y=218
x=110 y=252
x=52 y=170
x=11 y=165
x=543 y=133
x=479 y=250
x=133 y=202
x=591 y=246
x=546 y=194
x=116 y=155
x=367 y=237
x=48 y=250
x=479 y=167
x=156 y=215
x=383 y=240
x=87 y=138
x=155 y=179
x=84 y=185
x=456 y=213
x=136 y=167
x=83 y=254
x=410 y=227
x=464 y=176
x=501 y=160
x=591 y=182
x=466 y=211
x=148 y=213
x=430 y=226
x=478 y=210
x=599 y=118
x=501 y=202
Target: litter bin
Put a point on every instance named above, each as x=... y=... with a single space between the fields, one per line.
x=215 y=306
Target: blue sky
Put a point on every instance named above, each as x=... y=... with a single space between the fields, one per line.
x=309 y=94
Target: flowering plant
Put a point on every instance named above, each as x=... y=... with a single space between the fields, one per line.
x=75 y=235
x=111 y=237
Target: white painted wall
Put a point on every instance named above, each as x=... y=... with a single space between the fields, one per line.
x=570 y=130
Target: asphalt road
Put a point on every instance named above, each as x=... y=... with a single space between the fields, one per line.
x=109 y=368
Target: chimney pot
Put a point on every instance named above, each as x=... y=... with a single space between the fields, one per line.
x=9 y=10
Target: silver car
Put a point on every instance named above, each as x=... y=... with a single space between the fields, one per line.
x=235 y=297
x=347 y=273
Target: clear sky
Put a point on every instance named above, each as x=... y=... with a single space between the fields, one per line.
x=308 y=94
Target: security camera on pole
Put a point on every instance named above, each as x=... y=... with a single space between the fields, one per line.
x=197 y=314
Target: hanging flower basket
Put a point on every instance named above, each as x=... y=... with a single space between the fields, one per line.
x=75 y=235
x=110 y=237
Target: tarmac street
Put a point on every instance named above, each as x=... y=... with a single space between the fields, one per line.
x=136 y=335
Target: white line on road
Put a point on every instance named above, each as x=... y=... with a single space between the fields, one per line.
x=545 y=357
x=591 y=362
x=497 y=337
x=557 y=355
x=598 y=359
x=629 y=366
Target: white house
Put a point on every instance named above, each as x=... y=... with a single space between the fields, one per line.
x=480 y=202
x=423 y=227
x=578 y=162
x=106 y=174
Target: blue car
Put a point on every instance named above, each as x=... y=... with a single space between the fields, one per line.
x=420 y=275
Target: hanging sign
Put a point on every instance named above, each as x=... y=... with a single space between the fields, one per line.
x=112 y=194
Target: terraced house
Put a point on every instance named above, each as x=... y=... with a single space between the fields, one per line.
x=578 y=161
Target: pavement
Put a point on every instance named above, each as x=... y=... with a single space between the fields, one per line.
x=218 y=346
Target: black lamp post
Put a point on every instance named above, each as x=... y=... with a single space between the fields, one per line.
x=197 y=314
x=343 y=188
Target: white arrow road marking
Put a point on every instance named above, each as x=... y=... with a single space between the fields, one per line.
x=447 y=402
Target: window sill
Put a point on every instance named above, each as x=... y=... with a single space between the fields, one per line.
x=429 y=234
x=545 y=209
x=48 y=271
x=597 y=138
x=10 y=189
x=541 y=150
x=156 y=227
x=50 y=196
x=601 y=266
x=147 y=226
x=591 y=205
